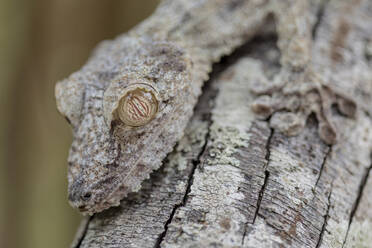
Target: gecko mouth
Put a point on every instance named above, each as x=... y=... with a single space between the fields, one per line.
x=89 y=198
x=83 y=208
x=103 y=201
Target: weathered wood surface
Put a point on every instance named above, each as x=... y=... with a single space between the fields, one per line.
x=234 y=181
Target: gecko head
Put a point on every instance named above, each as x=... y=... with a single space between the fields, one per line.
x=124 y=120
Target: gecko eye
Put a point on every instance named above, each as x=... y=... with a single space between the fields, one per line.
x=138 y=107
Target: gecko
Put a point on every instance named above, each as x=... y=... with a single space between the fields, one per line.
x=130 y=103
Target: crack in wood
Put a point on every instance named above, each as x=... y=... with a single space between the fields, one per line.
x=195 y=164
x=267 y=156
x=177 y=206
x=267 y=174
x=260 y=194
x=322 y=166
x=319 y=18
x=83 y=232
x=326 y=217
x=282 y=232
x=362 y=185
x=367 y=113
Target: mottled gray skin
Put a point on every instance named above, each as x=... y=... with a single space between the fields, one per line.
x=108 y=159
x=173 y=52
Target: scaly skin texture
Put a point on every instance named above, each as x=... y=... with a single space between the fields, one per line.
x=173 y=52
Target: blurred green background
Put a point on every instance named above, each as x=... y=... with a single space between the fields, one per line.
x=41 y=42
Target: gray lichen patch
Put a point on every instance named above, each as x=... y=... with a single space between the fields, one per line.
x=360 y=234
x=193 y=138
x=231 y=123
x=233 y=105
x=226 y=141
x=216 y=211
x=194 y=135
x=211 y=214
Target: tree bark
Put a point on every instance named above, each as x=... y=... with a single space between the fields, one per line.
x=235 y=181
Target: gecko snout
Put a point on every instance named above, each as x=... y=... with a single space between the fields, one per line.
x=85 y=195
x=78 y=195
x=80 y=199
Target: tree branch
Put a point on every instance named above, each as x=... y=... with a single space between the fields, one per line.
x=234 y=181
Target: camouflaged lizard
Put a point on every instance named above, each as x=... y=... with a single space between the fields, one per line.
x=130 y=103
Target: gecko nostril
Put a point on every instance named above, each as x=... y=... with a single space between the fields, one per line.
x=86 y=196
